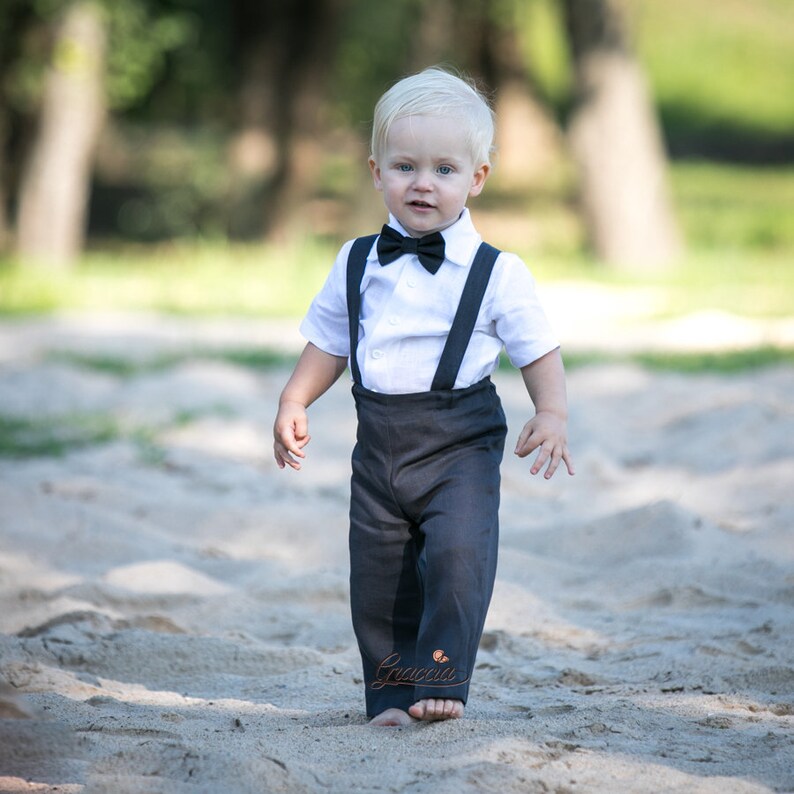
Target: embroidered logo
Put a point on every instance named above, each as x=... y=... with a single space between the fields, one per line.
x=390 y=672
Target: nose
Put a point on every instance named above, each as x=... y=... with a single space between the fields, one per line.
x=423 y=180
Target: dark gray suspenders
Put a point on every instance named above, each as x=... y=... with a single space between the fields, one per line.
x=356 y=262
x=462 y=326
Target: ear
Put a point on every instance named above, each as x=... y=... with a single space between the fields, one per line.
x=375 y=171
x=478 y=180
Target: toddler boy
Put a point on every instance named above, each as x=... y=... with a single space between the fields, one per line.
x=421 y=312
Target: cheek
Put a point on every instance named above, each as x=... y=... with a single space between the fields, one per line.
x=392 y=187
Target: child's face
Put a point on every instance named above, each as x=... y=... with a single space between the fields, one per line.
x=426 y=173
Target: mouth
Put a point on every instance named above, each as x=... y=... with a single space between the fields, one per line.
x=420 y=204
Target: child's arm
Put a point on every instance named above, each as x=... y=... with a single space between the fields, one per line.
x=547 y=430
x=315 y=373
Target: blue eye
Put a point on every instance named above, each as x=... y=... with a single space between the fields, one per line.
x=404 y=167
x=445 y=170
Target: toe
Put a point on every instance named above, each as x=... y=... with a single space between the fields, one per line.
x=391 y=718
x=436 y=709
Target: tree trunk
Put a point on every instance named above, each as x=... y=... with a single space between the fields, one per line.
x=4 y=225
x=55 y=187
x=15 y=18
x=616 y=144
x=286 y=53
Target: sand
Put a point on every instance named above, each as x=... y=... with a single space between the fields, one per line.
x=174 y=614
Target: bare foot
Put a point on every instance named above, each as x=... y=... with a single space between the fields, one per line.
x=437 y=709
x=392 y=718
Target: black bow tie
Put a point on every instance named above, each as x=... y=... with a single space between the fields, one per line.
x=430 y=248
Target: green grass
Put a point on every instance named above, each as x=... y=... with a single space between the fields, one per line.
x=121 y=367
x=753 y=283
x=718 y=363
x=24 y=438
x=735 y=208
x=722 y=362
x=265 y=281
x=720 y=60
x=746 y=284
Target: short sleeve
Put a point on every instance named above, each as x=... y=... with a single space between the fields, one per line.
x=325 y=324
x=520 y=321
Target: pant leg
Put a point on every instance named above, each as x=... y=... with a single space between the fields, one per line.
x=385 y=595
x=457 y=566
x=448 y=483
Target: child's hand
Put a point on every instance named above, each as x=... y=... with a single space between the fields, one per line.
x=545 y=431
x=291 y=433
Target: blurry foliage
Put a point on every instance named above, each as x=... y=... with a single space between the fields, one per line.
x=722 y=72
x=545 y=50
x=152 y=200
x=142 y=35
x=367 y=61
x=139 y=41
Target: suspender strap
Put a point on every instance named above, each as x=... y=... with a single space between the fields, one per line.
x=356 y=263
x=465 y=317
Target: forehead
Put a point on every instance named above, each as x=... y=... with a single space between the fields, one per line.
x=428 y=135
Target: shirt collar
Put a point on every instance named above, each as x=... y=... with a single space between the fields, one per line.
x=460 y=239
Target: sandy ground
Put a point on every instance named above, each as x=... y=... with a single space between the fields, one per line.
x=174 y=615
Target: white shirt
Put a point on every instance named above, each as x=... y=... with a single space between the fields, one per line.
x=406 y=314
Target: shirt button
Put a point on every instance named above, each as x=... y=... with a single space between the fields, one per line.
x=377 y=354
x=394 y=320
x=411 y=282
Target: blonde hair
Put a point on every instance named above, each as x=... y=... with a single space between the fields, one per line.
x=437 y=92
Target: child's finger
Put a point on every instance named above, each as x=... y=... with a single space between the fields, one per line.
x=542 y=457
x=554 y=462
x=288 y=460
x=292 y=440
x=284 y=458
x=301 y=442
x=526 y=443
x=559 y=456
x=300 y=428
x=286 y=451
x=566 y=456
x=295 y=446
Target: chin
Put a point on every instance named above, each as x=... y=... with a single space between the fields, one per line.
x=421 y=226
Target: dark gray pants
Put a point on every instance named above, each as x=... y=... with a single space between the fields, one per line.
x=423 y=538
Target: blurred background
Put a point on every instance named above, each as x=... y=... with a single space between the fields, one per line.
x=209 y=157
